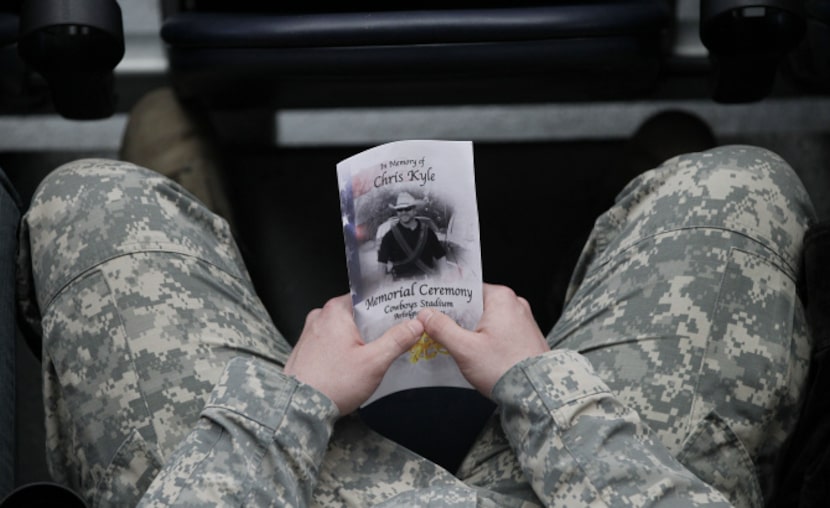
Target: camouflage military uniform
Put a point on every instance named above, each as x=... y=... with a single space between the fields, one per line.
x=676 y=372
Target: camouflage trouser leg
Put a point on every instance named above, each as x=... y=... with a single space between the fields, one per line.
x=684 y=301
x=143 y=298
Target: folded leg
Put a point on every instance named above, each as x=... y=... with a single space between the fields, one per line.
x=684 y=301
x=142 y=298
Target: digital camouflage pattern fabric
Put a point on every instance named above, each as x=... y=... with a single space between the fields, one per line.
x=675 y=375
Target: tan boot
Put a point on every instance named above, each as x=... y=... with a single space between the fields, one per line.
x=164 y=136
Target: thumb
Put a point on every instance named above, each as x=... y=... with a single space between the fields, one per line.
x=443 y=328
x=396 y=341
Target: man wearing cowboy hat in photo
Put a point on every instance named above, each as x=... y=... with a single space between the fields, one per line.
x=410 y=247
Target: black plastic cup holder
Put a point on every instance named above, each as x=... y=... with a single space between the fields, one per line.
x=74 y=45
x=747 y=40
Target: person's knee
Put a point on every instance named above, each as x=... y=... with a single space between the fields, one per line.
x=718 y=171
x=753 y=191
x=89 y=210
x=90 y=183
x=747 y=190
x=93 y=196
x=92 y=210
x=759 y=171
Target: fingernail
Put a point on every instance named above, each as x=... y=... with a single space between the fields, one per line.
x=426 y=315
x=415 y=327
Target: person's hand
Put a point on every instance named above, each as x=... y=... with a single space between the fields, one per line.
x=331 y=356
x=505 y=335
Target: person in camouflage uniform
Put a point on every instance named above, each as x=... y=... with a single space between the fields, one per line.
x=673 y=374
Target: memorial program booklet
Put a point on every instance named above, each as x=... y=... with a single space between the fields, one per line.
x=410 y=224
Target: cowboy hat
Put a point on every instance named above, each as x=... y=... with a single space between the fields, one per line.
x=405 y=200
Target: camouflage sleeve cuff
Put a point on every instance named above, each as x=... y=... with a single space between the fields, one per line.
x=557 y=378
x=292 y=411
x=260 y=442
x=569 y=430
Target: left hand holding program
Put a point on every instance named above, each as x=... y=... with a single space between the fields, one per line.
x=332 y=357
